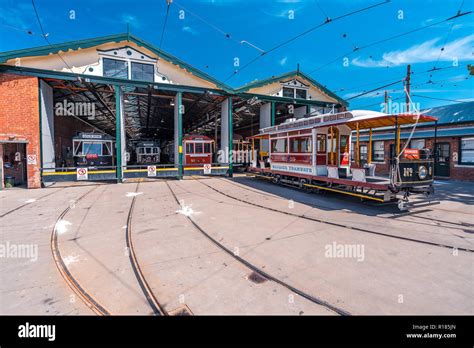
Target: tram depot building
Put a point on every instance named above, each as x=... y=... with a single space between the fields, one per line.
x=109 y=94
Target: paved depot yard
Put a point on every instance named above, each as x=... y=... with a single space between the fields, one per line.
x=360 y=270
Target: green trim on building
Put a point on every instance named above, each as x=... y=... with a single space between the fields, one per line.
x=88 y=43
x=294 y=73
x=118 y=135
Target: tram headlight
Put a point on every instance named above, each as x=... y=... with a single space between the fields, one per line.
x=422 y=172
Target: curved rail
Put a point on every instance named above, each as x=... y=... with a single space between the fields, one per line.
x=150 y=297
x=90 y=302
x=36 y=200
x=259 y=271
x=332 y=223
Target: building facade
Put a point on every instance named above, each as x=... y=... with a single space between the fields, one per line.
x=454 y=150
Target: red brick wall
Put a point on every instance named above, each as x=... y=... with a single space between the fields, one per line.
x=457 y=172
x=19 y=118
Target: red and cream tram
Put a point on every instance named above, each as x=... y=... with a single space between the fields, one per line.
x=198 y=150
x=315 y=153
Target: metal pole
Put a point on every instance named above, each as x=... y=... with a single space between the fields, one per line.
x=435 y=150
x=407 y=98
x=231 y=166
x=178 y=101
x=385 y=98
x=118 y=132
x=357 y=146
x=370 y=147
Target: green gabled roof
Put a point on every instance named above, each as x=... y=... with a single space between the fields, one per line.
x=87 y=43
x=294 y=73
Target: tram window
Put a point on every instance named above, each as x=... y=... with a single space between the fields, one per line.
x=115 y=68
x=344 y=145
x=378 y=152
x=300 y=145
x=207 y=147
x=279 y=145
x=363 y=152
x=77 y=148
x=155 y=150
x=467 y=151
x=189 y=148
x=91 y=148
x=321 y=143
x=148 y=150
x=106 y=150
x=198 y=147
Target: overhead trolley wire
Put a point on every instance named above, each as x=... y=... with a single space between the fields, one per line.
x=327 y=21
x=45 y=36
x=166 y=20
x=357 y=49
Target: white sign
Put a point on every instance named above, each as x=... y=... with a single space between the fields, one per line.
x=151 y=170
x=82 y=174
x=31 y=159
x=207 y=169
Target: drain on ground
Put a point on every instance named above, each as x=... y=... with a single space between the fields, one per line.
x=257 y=278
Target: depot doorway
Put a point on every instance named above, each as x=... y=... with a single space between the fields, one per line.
x=13 y=164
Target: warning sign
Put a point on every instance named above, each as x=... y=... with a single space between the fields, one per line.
x=207 y=169
x=151 y=170
x=31 y=159
x=82 y=174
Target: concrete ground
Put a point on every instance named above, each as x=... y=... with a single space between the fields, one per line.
x=347 y=258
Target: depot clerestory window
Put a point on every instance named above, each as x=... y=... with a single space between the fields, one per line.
x=294 y=93
x=142 y=72
x=115 y=68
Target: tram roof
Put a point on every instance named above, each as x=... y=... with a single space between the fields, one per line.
x=363 y=119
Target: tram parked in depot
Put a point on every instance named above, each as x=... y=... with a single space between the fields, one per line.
x=314 y=153
x=197 y=150
x=147 y=152
x=241 y=148
x=93 y=150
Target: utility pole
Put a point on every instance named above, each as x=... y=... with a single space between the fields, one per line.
x=385 y=102
x=407 y=85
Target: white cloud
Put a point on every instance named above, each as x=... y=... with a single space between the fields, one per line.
x=427 y=51
x=283 y=61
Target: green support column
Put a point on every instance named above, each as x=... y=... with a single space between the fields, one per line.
x=118 y=132
x=308 y=109
x=229 y=107
x=178 y=104
x=273 y=113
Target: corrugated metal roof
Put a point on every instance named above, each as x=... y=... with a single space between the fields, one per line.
x=453 y=113
x=419 y=134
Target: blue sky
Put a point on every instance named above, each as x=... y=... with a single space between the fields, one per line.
x=199 y=39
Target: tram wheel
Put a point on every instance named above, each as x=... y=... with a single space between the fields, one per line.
x=276 y=179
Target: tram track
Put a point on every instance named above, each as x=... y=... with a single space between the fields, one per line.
x=147 y=291
x=79 y=289
x=454 y=225
x=36 y=200
x=258 y=270
x=72 y=282
x=336 y=224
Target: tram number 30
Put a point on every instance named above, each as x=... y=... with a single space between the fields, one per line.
x=407 y=172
